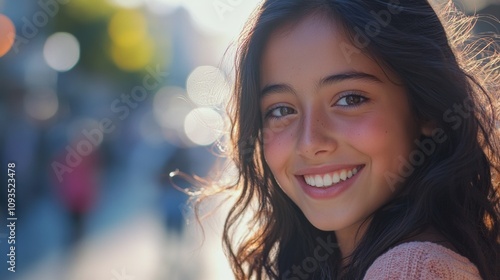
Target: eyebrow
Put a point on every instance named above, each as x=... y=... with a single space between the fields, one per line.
x=352 y=75
x=332 y=79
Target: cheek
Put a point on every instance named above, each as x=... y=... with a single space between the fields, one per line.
x=277 y=147
x=369 y=133
x=383 y=138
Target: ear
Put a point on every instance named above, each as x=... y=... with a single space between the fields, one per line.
x=427 y=127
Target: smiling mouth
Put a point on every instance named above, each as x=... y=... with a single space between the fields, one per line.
x=332 y=178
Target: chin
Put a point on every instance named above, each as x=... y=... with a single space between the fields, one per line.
x=323 y=224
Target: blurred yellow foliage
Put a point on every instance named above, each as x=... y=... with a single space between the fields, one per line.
x=133 y=58
x=127 y=28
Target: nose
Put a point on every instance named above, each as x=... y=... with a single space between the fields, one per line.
x=316 y=135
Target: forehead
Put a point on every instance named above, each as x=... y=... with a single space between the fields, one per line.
x=314 y=46
x=299 y=31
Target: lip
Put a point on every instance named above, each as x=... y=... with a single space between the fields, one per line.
x=331 y=191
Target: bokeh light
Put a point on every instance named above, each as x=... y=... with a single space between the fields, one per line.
x=127 y=28
x=171 y=107
x=7 y=34
x=135 y=57
x=203 y=126
x=132 y=48
x=41 y=104
x=207 y=86
x=61 y=51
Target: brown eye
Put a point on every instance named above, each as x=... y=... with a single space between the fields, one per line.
x=286 y=111
x=351 y=100
x=281 y=111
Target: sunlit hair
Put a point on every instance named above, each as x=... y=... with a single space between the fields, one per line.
x=454 y=191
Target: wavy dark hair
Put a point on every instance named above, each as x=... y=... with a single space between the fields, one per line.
x=454 y=191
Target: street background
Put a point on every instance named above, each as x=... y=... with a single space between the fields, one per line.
x=100 y=100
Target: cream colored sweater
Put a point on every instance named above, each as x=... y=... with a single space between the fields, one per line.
x=421 y=261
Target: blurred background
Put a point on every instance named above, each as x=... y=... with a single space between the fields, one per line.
x=99 y=101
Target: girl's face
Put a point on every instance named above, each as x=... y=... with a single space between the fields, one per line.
x=335 y=125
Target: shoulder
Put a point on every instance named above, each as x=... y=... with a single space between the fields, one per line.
x=421 y=260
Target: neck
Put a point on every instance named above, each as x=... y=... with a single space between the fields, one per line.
x=349 y=238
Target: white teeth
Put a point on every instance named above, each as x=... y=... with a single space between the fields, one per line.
x=329 y=179
x=318 y=181
x=343 y=175
x=335 y=178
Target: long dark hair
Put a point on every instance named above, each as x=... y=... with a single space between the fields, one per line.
x=452 y=82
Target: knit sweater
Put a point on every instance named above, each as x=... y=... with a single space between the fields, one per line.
x=421 y=261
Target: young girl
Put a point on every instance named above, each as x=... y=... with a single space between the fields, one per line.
x=365 y=136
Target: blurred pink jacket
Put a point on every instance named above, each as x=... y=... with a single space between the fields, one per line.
x=78 y=188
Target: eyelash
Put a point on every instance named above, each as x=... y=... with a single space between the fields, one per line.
x=269 y=112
